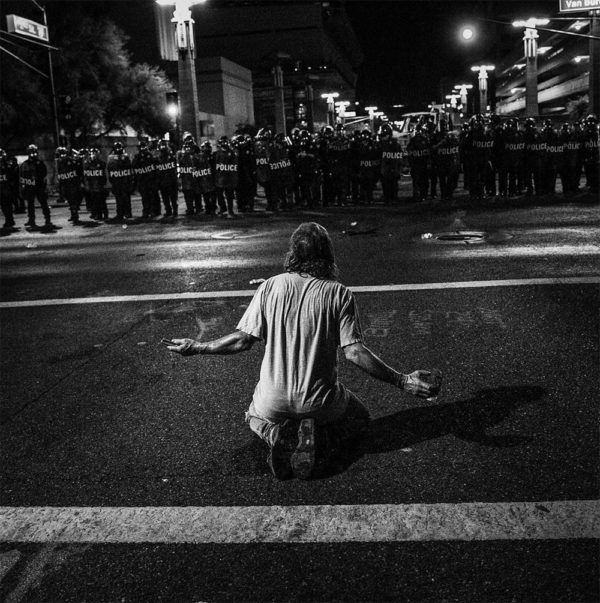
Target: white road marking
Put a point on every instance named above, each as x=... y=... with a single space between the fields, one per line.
x=295 y=524
x=572 y=280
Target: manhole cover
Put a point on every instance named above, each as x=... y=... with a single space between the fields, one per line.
x=465 y=237
x=233 y=234
x=471 y=237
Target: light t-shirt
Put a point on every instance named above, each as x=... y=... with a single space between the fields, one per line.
x=302 y=320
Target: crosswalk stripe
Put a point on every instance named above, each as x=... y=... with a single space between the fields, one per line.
x=575 y=280
x=475 y=521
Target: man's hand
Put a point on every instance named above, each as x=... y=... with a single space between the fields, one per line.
x=415 y=383
x=185 y=347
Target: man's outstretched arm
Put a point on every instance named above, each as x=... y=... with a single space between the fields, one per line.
x=234 y=343
x=361 y=356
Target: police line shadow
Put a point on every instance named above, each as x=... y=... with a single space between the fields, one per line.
x=469 y=420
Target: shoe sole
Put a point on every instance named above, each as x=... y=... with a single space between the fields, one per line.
x=303 y=458
x=279 y=458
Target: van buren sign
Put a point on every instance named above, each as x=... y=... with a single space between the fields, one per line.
x=25 y=27
x=573 y=6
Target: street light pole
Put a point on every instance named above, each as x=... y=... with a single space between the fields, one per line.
x=595 y=62
x=186 y=65
x=463 y=88
x=51 y=77
x=330 y=98
x=483 y=88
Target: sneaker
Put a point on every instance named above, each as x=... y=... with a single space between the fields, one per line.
x=284 y=443
x=303 y=458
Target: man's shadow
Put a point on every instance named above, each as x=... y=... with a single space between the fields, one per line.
x=468 y=420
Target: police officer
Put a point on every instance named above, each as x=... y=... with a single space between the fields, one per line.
x=339 y=165
x=188 y=165
x=144 y=173
x=69 y=174
x=308 y=170
x=120 y=176
x=7 y=192
x=445 y=150
x=482 y=143
x=370 y=165
x=418 y=151
x=94 y=181
x=32 y=185
x=246 y=188
x=204 y=180
x=535 y=150
x=591 y=157
x=391 y=164
x=512 y=175
x=263 y=148
x=552 y=160
x=166 y=175
x=282 y=173
x=571 y=151
x=226 y=176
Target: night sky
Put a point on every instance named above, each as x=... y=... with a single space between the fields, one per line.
x=409 y=45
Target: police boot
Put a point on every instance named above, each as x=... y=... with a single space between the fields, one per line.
x=175 y=209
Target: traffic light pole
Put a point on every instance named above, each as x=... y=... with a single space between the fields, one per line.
x=51 y=77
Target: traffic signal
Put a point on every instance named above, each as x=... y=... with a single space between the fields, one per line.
x=172 y=104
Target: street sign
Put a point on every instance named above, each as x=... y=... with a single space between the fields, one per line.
x=577 y=6
x=25 y=27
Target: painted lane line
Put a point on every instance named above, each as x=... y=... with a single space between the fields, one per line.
x=296 y=524
x=574 y=280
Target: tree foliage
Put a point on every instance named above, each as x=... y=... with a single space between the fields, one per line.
x=94 y=69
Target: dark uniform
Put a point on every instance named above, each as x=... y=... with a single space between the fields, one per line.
x=418 y=151
x=94 y=181
x=69 y=174
x=482 y=171
x=370 y=166
x=120 y=176
x=535 y=149
x=166 y=176
x=246 y=188
x=187 y=160
x=571 y=153
x=552 y=161
x=391 y=164
x=32 y=185
x=308 y=172
x=282 y=174
x=446 y=159
x=7 y=192
x=512 y=175
x=591 y=157
x=144 y=173
x=339 y=166
x=263 y=148
x=226 y=176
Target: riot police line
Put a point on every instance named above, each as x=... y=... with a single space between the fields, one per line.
x=334 y=167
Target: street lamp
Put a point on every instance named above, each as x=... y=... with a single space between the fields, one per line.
x=371 y=112
x=483 y=78
x=329 y=97
x=186 y=65
x=530 y=37
x=462 y=90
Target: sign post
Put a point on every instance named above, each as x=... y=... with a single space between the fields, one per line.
x=39 y=32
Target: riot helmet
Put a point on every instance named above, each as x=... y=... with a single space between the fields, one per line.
x=32 y=150
x=118 y=148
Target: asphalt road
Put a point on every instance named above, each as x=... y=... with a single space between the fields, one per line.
x=96 y=414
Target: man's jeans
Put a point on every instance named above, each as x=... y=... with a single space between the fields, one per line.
x=352 y=423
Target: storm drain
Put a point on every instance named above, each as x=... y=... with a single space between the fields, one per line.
x=465 y=237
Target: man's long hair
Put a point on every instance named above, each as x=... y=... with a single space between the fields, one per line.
x=311 y=252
